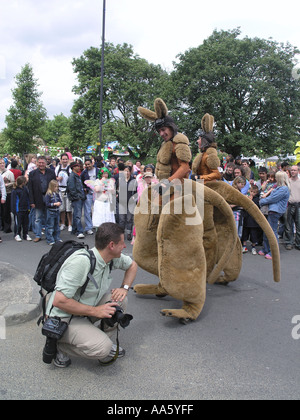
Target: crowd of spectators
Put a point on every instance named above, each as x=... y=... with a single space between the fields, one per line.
x=87 y=193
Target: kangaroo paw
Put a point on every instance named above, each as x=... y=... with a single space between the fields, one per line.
x=176 y=313
x=147 y=289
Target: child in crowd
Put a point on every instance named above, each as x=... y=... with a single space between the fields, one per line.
x=238 y=183
x=104 y=188
x=20 y=208
x=250 y=228
x=52 y=202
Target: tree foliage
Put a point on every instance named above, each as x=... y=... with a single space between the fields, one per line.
x=26 y=117
x=247 y=85
x=57 y=131
x=129 y=81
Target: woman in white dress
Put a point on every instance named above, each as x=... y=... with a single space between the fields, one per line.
x=105 y=192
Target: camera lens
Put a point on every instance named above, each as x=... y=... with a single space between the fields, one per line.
x=49 y=351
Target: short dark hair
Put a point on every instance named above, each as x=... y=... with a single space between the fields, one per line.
x=106 y=233
x=13 y=164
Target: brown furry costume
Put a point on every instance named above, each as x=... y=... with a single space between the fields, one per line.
x=205 y=165
x=186 y=255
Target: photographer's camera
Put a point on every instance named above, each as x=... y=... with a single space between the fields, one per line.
x=53 y=328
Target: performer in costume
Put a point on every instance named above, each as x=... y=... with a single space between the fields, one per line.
x=205 y=165
x=174 y=155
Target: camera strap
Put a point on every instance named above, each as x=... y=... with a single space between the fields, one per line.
x=113 y=359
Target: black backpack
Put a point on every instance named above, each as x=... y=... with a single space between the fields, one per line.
x=50 y=264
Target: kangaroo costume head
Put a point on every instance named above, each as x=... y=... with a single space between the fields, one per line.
x=160 y=116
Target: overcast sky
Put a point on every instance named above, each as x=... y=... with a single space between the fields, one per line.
x=48 y=34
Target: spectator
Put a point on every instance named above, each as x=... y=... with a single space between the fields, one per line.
x=77 y=196
x=14 y=170
x=52 y=202
x=126 y=187
x=251 y=229
x=238 y=183
x=38 y=184
x=20 y=208
x=9 y=180
x=263 y=175
x=2 y=195
x=277 y=201
x=293 y=212
x=90 y=173
x=104 y=198
x=239 y=171
x=62 y=172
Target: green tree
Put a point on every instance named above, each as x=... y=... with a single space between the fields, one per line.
x=129 y=81
x=57 y=131
x=247 y=85
x=26 y=117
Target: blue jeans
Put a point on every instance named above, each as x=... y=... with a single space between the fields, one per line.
x=52 y=226
x=88 y=212
x=77 y=213
x=40 y=220
x=273 y=219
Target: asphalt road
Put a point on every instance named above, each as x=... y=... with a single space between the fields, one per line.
x=240 y=347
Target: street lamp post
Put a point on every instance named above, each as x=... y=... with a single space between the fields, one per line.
x=102 y=76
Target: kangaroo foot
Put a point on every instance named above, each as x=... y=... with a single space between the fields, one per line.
x=176 y=313
x=148 y=289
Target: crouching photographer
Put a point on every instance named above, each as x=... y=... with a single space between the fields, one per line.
x=83 y=324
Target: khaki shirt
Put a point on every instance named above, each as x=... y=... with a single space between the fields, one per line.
x=73 y=274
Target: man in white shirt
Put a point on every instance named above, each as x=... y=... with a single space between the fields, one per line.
x=90 y=173
x=62 y=172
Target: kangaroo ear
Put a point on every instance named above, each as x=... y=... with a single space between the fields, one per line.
x=160 y=108
x=207 y=123
x=147 y=114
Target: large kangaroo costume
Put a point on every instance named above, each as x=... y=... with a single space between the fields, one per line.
x=188 y=248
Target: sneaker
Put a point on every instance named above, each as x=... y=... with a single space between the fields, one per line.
x=69 y=228
x=61 y=360
x=62 y=227
x=18 y=238
x=254 y=252
x=268 y=257
x=51 y=243
x=89 y=232
x=289 y=247
x=261 y=253
x=112 y=354
x=244 y=250
x=80 y=236
x=28 y=238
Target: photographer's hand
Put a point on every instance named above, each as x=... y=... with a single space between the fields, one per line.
x=118 y=295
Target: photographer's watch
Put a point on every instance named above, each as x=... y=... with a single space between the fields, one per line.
x=126 y=287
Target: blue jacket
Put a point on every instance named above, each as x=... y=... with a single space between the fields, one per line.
x=20 y=200
x=51 y=199
x=277 y=200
